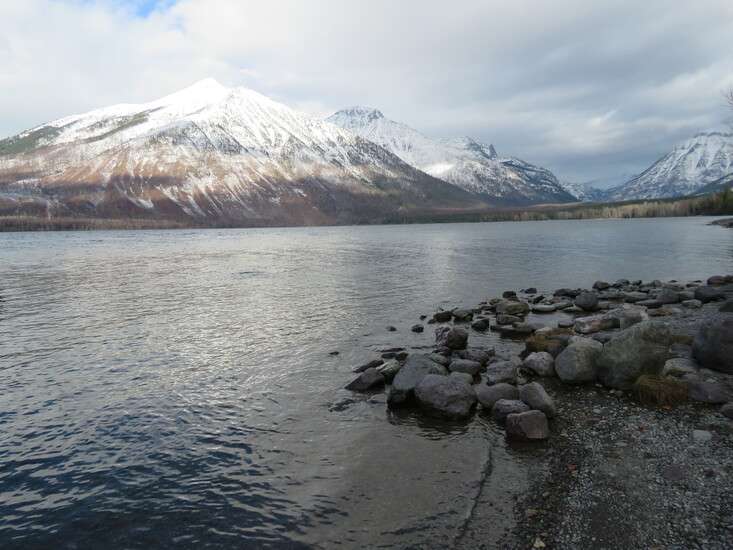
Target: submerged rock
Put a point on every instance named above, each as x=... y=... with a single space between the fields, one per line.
x=371 y=364
x=417 y=328
x=530 y=425
x=445 y=395
x=367 y=380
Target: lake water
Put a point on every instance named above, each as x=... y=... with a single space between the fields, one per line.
x=172 y=388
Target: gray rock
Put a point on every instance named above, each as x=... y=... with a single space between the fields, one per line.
x=504 y=407
x=685 y=295
x=367 y=380
x=479 y=355
x=601 y=285
x=707 y=391
x=727 y=410
x=412 y=372
x=465 y=365
x=442 y=316
x=530 y=425
x=701 y=436
x=692 y=304
x=452 y=338
x=512 y=308
x=370 y=365
x=541 y=363
x=417 y=328
x=501 y=371
x=488 y=395
x=534 y=395
x=668 y=296
x=544 y=308
x=576 y=364
x=635 y=296
x=641 y=349
x=464 y=376
x=445 y=396
x=716 y=280
x=481 y=325
x=463 y=315
x=679 y=367
x=587 y=301
x=389 y=369
x=709 y=294
x=503 y=319
x=440 y=359
x=727 y=307
x=713 y=345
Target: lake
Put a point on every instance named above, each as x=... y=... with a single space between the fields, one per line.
x=175 y=388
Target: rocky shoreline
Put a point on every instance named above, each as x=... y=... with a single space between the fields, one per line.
x=622 y=404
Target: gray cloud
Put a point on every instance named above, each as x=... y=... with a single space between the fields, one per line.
x=588 y=89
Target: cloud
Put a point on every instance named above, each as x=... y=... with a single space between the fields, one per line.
x=589 y=89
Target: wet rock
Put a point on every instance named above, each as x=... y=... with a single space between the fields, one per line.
x=489 y=395
x=716 y=280
x=481 y=325
x=513 y=308
x=503 y=319
x=541 y=363
x=465 y=377
x=465 y=365
x=417 y=328
x=370 y=365
x=412 y=372
x=553 y=342
x=479 y=355
x=567 y=292
x=453 y=338
x=341 y=404
x=534 y=395
x=445 y=396
x=587 y=301
x=667 y=296
x=462 y=315
x=509 y=294
x=577 y=362
x=389 y=369
x=713 y=345
x=442 y=316
x=392 y=329
x=692 y=304
x=530 y=426
x=679 y=367
x=601 y=285
x=504 y=407
x=707 y=391
x=641 y=349
x=727 y=410
x=530 y=290
x=635 y=296
x=709 y=294
x=440 y=359
x=401 y=355
x=501 y=371
x=367 y=380
x=544 y=308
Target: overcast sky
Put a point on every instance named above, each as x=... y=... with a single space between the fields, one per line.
x=587 y=89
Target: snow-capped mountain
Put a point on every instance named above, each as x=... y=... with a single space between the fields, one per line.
x=463 y=162
x=212 y=154
x=690 y=166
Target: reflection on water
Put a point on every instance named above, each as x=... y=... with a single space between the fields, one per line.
x=165 y=388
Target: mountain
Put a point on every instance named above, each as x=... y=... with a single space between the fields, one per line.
x=584 y=192
x=690 y=166
x=721 y=184
x=212 y=155
x=466 y=163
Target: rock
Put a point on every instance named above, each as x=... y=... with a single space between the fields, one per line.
x=503 y=319
x=481 y=325
x=591 y=325
x=568 y=292
x=440 y=359
x=389 y=369
x=537 y=299
x=565 y=323
x=709 y=294
x=553 y=342
x=685 y=295
x=530 y=290
x=727 y=410
x=541 y=363
x=462 y=315
x=601 y=285
x=442 y=316
x=707 y=391
x=679 y=367
x=727 y=307
x=531 y=426
x=509 y=294
x=501 y=371
x=701 y=436
x=445 y=396
x=667 y=296
x=367 y=380
x=479 y=355
x=370 y=365
x=488 y=395
x=692 y=304
x=577 y=362
x=417 y=328
x=513 y=308
x=716 y=280
x=544 y=308
x=641 y=349
x=635 y=296
x=504 y=407
x=587 y=301
x=465 y=365
x=392 y=329
x=534 y=395
x=412 y=372
x=453 y=338
x=465 y=377
x=713 y=345
x=651 y=304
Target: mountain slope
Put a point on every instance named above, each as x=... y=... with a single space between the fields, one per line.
x=211 y=154
x=690 y=166
x=463 y=162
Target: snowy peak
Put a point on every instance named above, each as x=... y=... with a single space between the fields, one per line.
x=354 y=118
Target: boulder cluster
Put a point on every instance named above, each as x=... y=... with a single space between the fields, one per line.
x=621 y=335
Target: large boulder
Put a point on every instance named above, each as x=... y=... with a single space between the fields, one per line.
x=412 y=372
x=713 y=345
x=465 y=365
x=709 y=294
x=541 y=363
x=668 y=296
x=530 y=425
x=489 y=395
x=641 y=349
x=451 y=337
x=534 y=395
x=367 y=380
x=501 y=372
x=445 y=396
x=587 y=301
x=504 y=407
x=576 y=364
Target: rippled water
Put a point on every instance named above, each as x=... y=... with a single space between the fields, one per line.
x=173 y=388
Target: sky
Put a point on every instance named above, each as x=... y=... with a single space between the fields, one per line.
x=591 y=90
